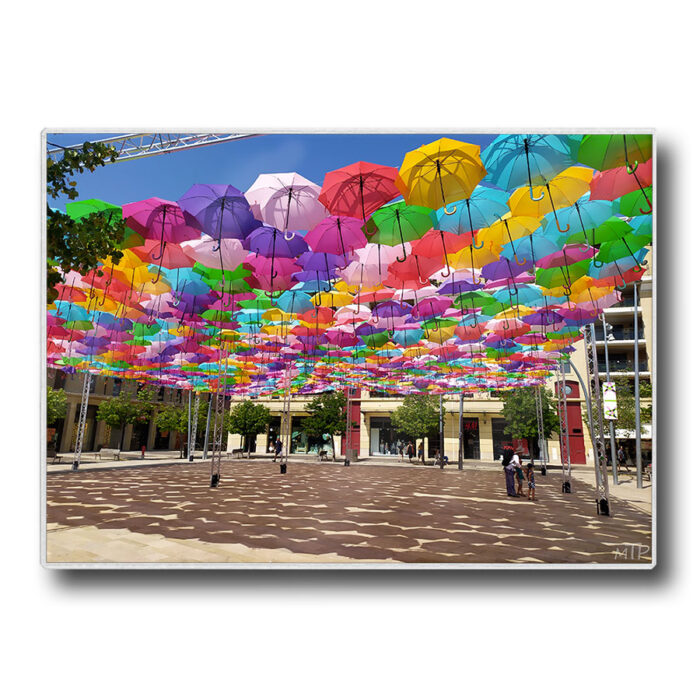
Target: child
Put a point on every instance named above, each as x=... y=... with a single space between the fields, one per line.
x=530 y=481
x=521 y=477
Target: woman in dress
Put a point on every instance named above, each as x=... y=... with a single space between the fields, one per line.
x=509 y=468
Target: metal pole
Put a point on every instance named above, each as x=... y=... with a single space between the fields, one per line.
x=348 y=427
x=460 y=460
x=637 y=417
x=195 y=425
x=540 y=430
x=563 y=427
x=442 y=437
x=611 y=423
x=206 y=431
x=600 y=444
x=84 y=398
x=189 y=421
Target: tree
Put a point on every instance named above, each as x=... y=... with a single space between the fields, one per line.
x=417 y=417
x=520 y=413
x=327 y=416
x=123 y=410
x=248 y=419
x=173 y=418
x=78 y=244
x=56 y=405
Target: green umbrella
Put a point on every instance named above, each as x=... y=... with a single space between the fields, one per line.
x=611 y=230
x=606 y=151
x=397 y=223
x=626 y=246
x=631 y=204
x=563 y=276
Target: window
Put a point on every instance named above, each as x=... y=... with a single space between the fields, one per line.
x=117 y=387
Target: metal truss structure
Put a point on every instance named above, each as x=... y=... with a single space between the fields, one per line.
x=563 y=428
x=133 y=146
x=193 y=432
x=540 y=429
x=219 y=410
x=595 y=421
x=286 y=419
x=85 y=395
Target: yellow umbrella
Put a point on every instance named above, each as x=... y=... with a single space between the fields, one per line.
x=471 y=257
x=563 y=191
x=508 y=229
x=439 y=173
x=440 y=335
x=331 y=299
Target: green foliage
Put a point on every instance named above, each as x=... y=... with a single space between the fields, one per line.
x=326 y=415
x=126 y=409
x=172 y=418
x=77 y=245
x=248 y=419
x=56 y=405
x=520 y=414
x=417 y=417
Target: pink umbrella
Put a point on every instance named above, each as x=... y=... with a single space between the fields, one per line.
x=336 y=235
x=228 y=255
x=286 y=201
x=568 y=255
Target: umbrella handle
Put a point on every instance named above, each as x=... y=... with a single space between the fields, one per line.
x=624 y=285
x=400 y=260
x=532 y=196
x=597 y=263
x=567 y=289
x=515 y=257
x=448 y=212
x=630 y=170
x=477 y=247
x=288 y=238
x=646 y=212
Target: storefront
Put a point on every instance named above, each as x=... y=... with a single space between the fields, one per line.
x=470 y=428
x=301 y=443
x=383 y=439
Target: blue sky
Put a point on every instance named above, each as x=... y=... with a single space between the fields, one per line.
x=238 y=163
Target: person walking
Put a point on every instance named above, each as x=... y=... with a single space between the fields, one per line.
x=622 y=458
x=278 y=449
x=421 y=452
x=509 y=463
x=401 y=451
x=410 y=451
x=530 y=481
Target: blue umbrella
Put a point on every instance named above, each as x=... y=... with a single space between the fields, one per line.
x=484 y=207
x=514 y=160
x=583 y=216
x=294 y=302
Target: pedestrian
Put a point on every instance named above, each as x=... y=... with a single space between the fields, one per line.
x=530 y=481
x=278 y=449
x=410 y=451
x=401 y=451
x=509 y=463
x=421 y=453
x=622 y=458
x=520 y=475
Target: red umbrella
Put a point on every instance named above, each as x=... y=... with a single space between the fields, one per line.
x=170 y=255
x=437 y=244
x=359 y=189
x=614 y=183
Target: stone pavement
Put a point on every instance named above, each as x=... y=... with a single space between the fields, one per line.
x=326 y=512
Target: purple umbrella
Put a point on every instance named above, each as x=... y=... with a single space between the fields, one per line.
x=222 y=211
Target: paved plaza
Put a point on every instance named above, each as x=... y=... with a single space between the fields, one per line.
x=330 y=513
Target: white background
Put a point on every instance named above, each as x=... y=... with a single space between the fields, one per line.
x=347 y=65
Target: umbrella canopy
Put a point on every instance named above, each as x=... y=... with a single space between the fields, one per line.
x=440 y=172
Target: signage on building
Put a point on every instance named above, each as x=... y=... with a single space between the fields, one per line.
x=471 y=424
x=609 y=401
